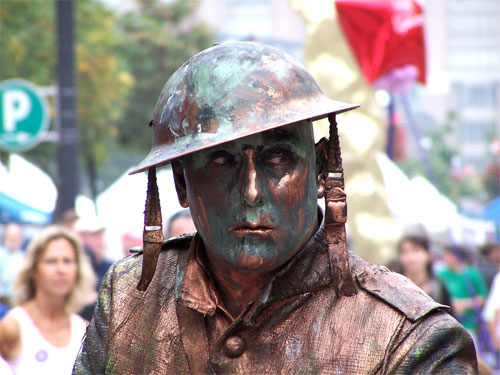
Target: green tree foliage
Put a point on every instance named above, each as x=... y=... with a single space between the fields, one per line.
x=28 y=48
x=160 y=37
x=27 y=41
x=491 y=179
x=491 y=174
x=27 y=51
x=103 y=81
x=122 y=62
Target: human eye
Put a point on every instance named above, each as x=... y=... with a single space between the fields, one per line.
x=49 y=261
x=220 y=159
x=277 y=157
x=69 y=261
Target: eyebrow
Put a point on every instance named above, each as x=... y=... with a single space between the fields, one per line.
x=282 y=134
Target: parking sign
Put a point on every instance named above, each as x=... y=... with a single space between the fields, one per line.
x=23 y=115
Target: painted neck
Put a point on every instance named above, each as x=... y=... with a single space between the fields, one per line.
x=238 y=289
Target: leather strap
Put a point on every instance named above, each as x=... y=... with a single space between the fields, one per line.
x=336 y=217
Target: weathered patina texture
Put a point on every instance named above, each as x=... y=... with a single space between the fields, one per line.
x=299 y=326
x=152 y=234
x=265 y=286
x=230 y=91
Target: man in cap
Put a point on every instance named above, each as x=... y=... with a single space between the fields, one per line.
x=267 y=284
x=92 y=233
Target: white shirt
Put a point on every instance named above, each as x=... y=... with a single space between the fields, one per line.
x=493 y=302
x=4 y=367
x=38 y=356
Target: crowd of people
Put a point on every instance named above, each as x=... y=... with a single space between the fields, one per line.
x=48 y=290
x=468 y=281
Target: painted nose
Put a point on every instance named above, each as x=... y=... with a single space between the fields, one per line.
x=251 y=188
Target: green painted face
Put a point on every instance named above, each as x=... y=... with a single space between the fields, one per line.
x=253 y=200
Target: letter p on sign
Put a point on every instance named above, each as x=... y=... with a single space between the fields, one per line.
x=16 y=106
x=23 y=115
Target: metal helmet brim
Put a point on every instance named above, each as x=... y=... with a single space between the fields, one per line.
x=231 y=91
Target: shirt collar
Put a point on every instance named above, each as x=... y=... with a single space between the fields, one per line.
x=307 y=271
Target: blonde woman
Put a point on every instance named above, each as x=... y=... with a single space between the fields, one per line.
x=42 y=335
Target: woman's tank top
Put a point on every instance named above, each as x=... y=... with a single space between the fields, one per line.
x=38 y=356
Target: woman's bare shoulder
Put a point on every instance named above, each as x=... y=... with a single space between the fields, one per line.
x=10 y=337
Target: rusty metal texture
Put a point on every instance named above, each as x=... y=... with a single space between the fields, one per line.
x=229 y=91
x=299 y=326
x=336 y=215
x=152 y=236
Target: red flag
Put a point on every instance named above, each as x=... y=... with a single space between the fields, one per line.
x=384 y=35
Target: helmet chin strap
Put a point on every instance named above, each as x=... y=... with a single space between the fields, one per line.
x=336 y=217
x=152 y=236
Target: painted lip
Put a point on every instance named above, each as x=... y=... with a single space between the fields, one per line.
x=243 y=229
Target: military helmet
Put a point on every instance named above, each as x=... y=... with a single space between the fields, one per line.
x=230 y=91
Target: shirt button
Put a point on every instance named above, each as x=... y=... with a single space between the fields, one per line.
x=234 y=346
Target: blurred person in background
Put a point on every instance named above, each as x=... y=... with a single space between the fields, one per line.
x=416 y=264
x=491 y=312
x=129 y=241
x=92 y=234
x=69 y=219
x=488 y=262
x=11 y=258
x=42 y=335
x=466 y=287
x=180 y=223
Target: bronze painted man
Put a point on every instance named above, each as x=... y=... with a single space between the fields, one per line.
x=267 y=285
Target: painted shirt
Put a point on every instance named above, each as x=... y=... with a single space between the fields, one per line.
x=298 y=326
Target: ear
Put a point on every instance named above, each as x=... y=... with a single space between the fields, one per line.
x=321 y=162
x=180 y=183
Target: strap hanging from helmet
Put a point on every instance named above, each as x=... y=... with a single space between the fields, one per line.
x=336 y=216
x=152 y=236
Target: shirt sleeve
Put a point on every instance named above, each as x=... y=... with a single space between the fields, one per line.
x=479 y=284
x=437 y=344
x=493 y=301
x=92 y=357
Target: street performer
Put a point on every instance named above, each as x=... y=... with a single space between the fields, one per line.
x=266 y=285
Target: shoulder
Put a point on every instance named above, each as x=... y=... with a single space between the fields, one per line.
x=444 y=272
x=393 y=289
x=495 y=285
x=10 y=336
x=437 y=345
x=77 y=320
x=474 y=272
x=180 y=242
x=127 y=271
x=78 y=327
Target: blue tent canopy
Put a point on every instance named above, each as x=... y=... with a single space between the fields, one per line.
x=12 y=210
